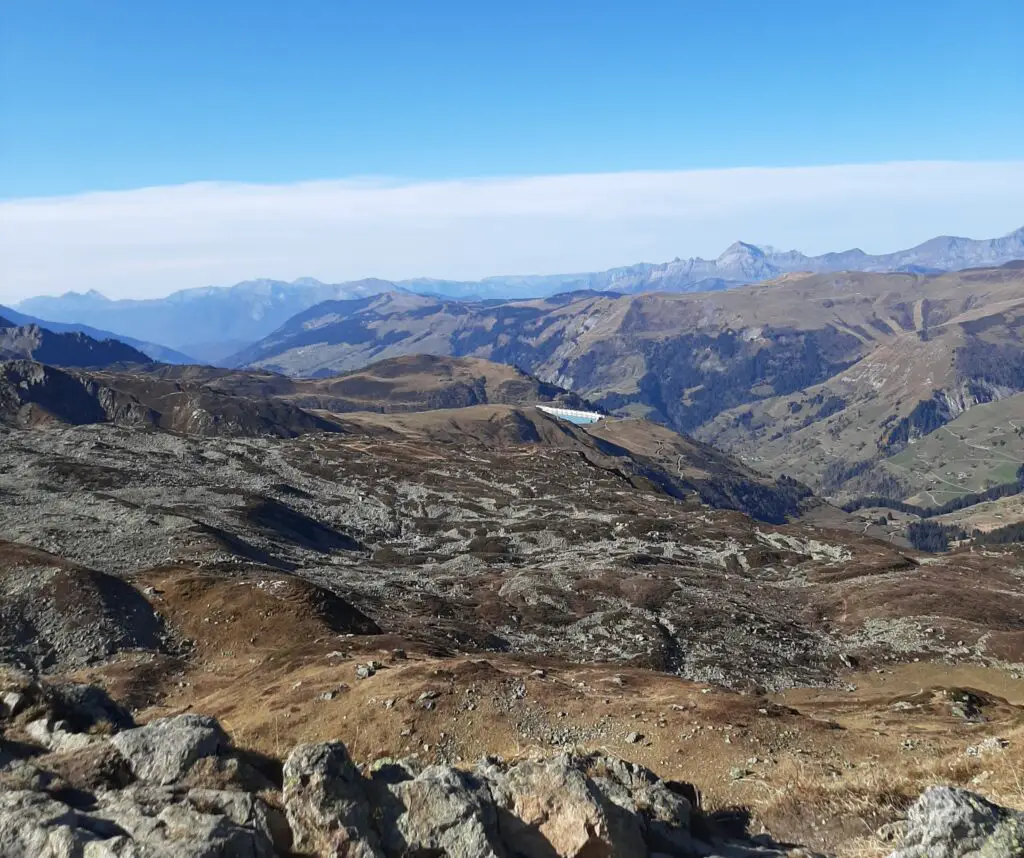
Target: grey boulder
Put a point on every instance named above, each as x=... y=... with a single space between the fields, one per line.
x=33 y=825
x=441 y=811
x=164 y=750
x=954 y=823
x=57 y=736
x=326 y=803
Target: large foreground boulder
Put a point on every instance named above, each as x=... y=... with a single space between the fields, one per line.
x=441 y=811
x=70 y=790
x=954 y=823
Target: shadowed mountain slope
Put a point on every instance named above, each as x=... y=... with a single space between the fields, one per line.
x=32 y=342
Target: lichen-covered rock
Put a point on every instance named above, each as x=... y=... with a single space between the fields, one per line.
x=56 y=736
x=440 y=811
x=33 y=825
x=231 y=772
x=164 y=750
x=162 y=821
x=326 y=803
x=954 y=823
x=637 y=793
x=148 y=822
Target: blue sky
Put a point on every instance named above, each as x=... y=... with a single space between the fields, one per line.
x=118 y=95
x=115 y=94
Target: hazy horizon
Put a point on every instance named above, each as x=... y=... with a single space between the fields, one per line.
x=154 y=241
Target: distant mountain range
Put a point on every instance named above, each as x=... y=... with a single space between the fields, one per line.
x=153 y=351
x=212 y=323
x=207 y=323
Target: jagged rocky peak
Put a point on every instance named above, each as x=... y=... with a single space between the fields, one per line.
x=741 y=250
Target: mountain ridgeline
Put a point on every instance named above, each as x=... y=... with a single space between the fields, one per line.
x=854 y=383
x=211 y=323
x=152 y=351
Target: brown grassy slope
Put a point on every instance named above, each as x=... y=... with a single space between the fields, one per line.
x=415 y=382
x=956 y=360
x=198 y=400
x=460 y=547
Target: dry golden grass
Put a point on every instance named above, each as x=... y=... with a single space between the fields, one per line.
x=872 y=794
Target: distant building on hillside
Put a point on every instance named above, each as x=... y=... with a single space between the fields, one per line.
x=580 y=418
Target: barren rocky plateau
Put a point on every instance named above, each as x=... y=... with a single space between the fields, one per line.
x=370 y=603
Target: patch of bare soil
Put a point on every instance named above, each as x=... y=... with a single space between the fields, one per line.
x=226 y=613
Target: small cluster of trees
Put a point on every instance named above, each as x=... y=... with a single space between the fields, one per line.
x=1001 y=535
x=926 y=535
x=932 y=536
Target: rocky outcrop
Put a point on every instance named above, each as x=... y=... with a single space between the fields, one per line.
x=176 y=788
x=326 y=803
x=34 y=393
x=953 y=823
x=32 y=342
x=206 y=321
x=569 y=806
x=78 y=779
x=137 y=823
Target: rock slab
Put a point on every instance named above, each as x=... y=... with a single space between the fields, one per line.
x=954 y=823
